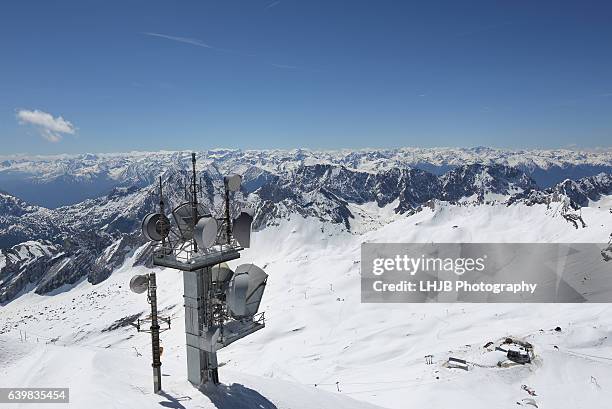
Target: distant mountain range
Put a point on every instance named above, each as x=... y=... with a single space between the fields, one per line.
x=44 y=248
x=53 y=181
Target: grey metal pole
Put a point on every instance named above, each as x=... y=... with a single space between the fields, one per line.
x=162 y=210
x=155 y=334
x=228 y=226
x=194 y=200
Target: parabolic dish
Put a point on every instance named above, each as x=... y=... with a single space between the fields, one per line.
x=139 y=283
x=245 y=290
x=155 y=226
x=237 y=294
x=206 y=232
x=221 y=273
x=232 y=182
x=241 y=229
x=183 y=216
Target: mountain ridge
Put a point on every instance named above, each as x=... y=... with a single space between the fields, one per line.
x=92 y=237
x=67 y=179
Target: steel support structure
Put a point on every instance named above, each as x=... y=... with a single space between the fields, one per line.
x=201 y=362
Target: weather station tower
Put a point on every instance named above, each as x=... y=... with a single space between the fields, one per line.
x=221 y=304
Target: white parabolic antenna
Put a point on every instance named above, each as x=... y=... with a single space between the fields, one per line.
x=241 y=229
x=245 y=290
x=206 y=232
x=183 y=215
x=155 y=226
x=232 y=182
x=139 y=283
x=221 y=273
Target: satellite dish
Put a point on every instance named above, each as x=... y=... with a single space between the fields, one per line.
x=257 y=285
x=232 y=182
x=183 y=216
x=241 y=229
x=206 y=232
x=139 y=283
x=245 y=290
x=237 y=294
x=221 y=273
x=155 y=226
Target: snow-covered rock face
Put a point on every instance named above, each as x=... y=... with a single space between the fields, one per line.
x=24 y=264
x=585 y=190
x=357 y=191
x=10 y=205
x=576 y=193
x=483 y=180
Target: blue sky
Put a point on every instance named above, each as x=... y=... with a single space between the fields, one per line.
x=109 y=76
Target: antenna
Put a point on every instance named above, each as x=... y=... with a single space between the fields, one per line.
x=232 y=184
x=139 y=284
x=155 y=226
x=194 y=199
x=241 y=229
x=220 y=305
x=162 y=211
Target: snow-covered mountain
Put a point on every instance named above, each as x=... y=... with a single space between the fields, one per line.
x=64 y=273
x=322 y=347
x=91 y=238
x=53 y=181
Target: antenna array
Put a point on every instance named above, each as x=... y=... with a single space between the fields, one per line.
x=221 y=305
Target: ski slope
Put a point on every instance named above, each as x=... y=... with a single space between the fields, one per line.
x=321 y=347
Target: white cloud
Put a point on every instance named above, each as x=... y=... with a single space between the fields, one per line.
x=51 y=128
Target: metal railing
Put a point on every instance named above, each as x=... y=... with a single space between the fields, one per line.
x=185 y=254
